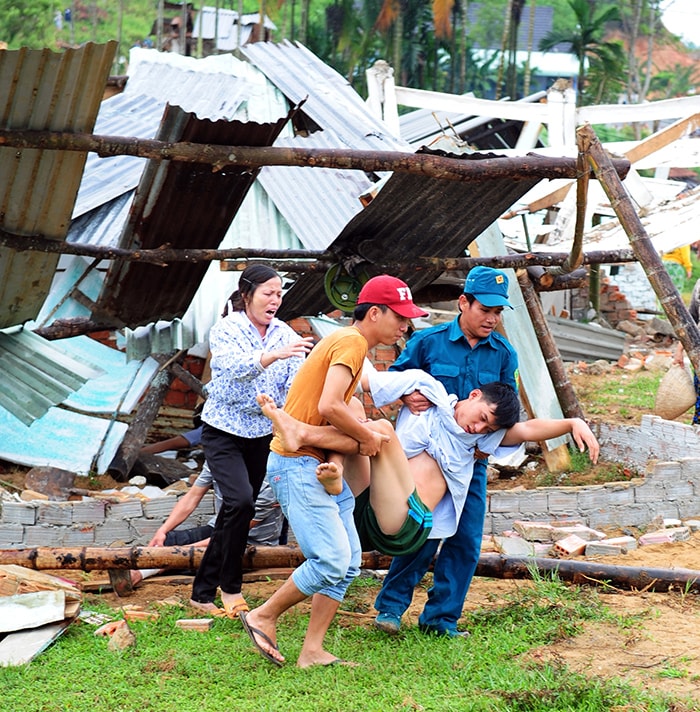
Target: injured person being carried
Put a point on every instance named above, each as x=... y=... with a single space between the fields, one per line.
x=415 y=487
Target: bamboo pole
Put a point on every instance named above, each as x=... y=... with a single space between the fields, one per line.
x=671 y=302
x=219 y=157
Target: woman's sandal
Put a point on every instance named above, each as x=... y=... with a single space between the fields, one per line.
x=231 y=610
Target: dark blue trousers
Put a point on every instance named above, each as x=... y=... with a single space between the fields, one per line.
x=453 y=570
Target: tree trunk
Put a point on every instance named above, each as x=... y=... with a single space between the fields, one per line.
x=268 y=557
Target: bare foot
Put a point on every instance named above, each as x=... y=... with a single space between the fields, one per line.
x=330 y=475
x=285 y=426
x=209 y=608
x=136 y=577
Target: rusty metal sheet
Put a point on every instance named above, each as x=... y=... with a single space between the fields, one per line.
x=412 y=216
x=186 y=206
x=42 y=90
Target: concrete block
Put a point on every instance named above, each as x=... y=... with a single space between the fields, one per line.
x=60 y=513
x=114 y=532
x=503 y=501
x=679 y=490
x=11 y=534
x=130 y=509
x=513 y=546
x=89 y=510
x=649 y=492
x=160 y=507
x=665 y=536
x=79 y=536
x=542 y=548
x=692 y=524
x=667 y=471
x=206 y=506
x=611 y=547
x=534 y=531
x=561 y=502
x=572 y=545
x=43 y=535
x=592 y=498
x=532 y=501
x=19 y=513
x=619 y=496
x=581 y=530
x=145 y=529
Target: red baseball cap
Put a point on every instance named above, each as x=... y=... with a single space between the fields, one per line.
x=391 y=292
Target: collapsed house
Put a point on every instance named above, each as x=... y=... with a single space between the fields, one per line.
x=281 y=96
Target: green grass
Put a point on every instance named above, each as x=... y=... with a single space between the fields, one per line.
x=627 y=395
x=170 y=670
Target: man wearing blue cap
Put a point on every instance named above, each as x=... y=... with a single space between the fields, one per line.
x=463 y=354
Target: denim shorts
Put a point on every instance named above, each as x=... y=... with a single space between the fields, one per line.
x=322 y=524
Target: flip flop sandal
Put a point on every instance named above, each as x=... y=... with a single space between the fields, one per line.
x=252 y=632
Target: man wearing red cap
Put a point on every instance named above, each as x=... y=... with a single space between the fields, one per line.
x=463 y=355
x=323 y=524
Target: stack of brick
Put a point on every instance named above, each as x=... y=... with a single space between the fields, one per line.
x=614 y=305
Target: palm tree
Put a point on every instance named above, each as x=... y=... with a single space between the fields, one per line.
x=392 y=14
x=586 y=39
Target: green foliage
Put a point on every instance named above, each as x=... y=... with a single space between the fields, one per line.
x=171 y=670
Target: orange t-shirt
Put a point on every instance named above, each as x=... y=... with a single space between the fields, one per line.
x=344 y=346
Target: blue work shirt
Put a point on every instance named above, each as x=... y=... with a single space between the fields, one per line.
x=444 y=352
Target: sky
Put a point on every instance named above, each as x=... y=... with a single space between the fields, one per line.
x=682 y=17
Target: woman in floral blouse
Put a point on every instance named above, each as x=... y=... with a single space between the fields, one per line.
x=251 y=352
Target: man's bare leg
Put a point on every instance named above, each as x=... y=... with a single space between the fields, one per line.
x=264 y=618
x=323 y=609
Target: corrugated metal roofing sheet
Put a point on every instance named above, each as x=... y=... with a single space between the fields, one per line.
x=412 y=216
x=67 y=436
x=43 y=374
x=316 y=202
x=42 y=90
x=330 y=100
x=137 y=293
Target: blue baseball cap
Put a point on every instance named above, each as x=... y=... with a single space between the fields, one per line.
x=489 y=286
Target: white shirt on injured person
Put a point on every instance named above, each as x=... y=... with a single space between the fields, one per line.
x=436 y=432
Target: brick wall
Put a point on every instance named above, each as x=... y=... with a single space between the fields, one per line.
x=669 y=489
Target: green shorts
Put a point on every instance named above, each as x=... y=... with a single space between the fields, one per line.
x=409 y=538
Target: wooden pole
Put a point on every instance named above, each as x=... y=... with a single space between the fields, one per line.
x=671 y=302
x=268 y=557
x=587 y=573
x=219 y=157
x=237 y=259
x=135 y=437
x=159 y=557
x=552 y=358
